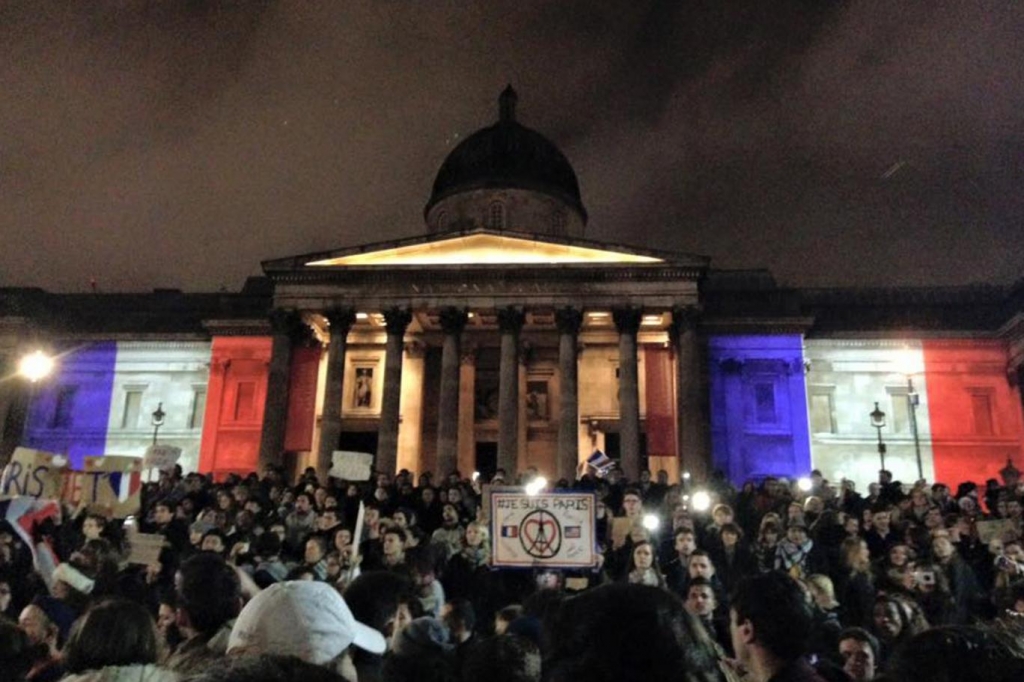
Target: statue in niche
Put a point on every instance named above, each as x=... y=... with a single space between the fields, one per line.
x=364 y=387
x=537 y=400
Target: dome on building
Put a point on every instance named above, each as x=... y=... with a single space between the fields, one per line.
x=507 y=156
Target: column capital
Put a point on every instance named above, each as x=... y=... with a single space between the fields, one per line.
x=453 y=320
x=568 y=320
x=340 y=319
x=627 y=319
x=396 y=320
x=511 y=319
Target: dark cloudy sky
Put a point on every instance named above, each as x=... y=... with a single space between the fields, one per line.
x=179 y=143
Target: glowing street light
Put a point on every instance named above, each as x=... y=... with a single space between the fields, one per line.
x=36 y=365
x=804 y=484
x=878 y=422
x=651 y=522
x=700 y=501
x=535 y=486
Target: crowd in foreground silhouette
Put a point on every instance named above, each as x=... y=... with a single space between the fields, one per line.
x=261 y=579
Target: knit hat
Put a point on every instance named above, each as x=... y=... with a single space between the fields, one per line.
x=423 y=635
x=301 y=618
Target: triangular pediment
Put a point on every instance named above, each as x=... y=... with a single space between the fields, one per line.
x=484 y=249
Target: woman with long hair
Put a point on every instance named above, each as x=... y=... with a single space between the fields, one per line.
x=643 y=566
x=855 y=587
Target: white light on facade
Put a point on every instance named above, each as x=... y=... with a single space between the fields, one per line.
x=35 y=366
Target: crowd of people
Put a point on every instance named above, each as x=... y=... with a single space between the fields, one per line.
x=260 y=578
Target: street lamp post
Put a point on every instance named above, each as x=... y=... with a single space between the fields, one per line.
x=913 y=400
x=158 y=420
x=878 y=421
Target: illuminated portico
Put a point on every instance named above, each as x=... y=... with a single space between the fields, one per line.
x=463 y=300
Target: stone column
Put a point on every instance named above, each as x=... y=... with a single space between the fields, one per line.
x=467 y=411
x=14 y=401
x=396 y=321
x=691 y=431
x=568 y=321
x=275 y=409
x=510 y=322
x=340 y=321
x=627 y=322
x=453 y=321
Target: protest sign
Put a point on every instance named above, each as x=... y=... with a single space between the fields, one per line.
x=144 y=548
x=995 y=529
x=552 y=530
x=111 y=482
x=162 y=457
x=32 y=473
x=351 y=466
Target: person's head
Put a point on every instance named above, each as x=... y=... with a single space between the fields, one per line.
x=643 y=556
x=899 y=555
x=700 y=598
x=892 y=618
x=505 y=616
x=769 y=615
x=626 y=633
x=114 y=632
x=769 y=534
x=632 y=503
x=314 y=551
x=858 y=650
x=306 y=619
x=960 y=653
x=855 y=553
x=449 y=515
x=881 y=518
x=730 y=534
x=722 y=514
x=93 y=526
x=512 y=658
x=342 y=539
x=163 y=513
x=685 y=542
x=460 y=617
x=208 y=593
x=476 y=535
x=328 y=518
x=37 y=626
x=303 y=503
x=393 y=542
x=700 y=565
x=822 y=591
x=796 y=533
x=17 y=653
x=377 y=599
x=942 y=548
x=214 y=541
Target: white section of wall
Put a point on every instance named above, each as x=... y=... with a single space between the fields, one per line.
x=148 y=373
x=846 y=378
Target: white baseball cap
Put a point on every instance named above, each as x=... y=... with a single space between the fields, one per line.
x=301 y=618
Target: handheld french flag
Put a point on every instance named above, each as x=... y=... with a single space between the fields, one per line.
x=600 y=462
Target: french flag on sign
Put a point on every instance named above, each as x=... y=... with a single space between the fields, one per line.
x=509 y=531
x=601 y=462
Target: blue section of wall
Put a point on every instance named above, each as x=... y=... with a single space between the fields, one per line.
x=70 y=410
x=758 y=406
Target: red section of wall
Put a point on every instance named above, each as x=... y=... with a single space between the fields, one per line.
x=302 y=399
x=234 y=405
x=975 y=415
x=660 y=413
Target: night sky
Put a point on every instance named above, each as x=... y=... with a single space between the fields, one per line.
x=178 y=144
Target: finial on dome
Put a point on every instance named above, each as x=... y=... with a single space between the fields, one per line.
x=507 y=104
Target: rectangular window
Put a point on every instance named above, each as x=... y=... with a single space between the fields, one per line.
x=132 y=407
x=764 y=402
x=64 y=407
x=899 y=410
x=195 y=417
x=245 y=400
x=981 y=409
x=822 y=412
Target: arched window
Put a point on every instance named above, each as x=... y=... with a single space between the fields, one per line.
x=497 y=215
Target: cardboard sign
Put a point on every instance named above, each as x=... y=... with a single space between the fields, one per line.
x=33 y=473
x=112 y=482
x=995 y=529
x=552 y=530
x=162 y=457
x=621 y=526
x=144 y=548
x=351 y=466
